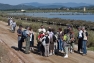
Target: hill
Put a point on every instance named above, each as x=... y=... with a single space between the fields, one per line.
x=7 y=6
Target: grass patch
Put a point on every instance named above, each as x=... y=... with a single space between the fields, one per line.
x=91 y=48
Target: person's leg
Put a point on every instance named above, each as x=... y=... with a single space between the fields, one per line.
x=39 y=46
x=14 y=29
x=78 y=45
x=62 y=47
x=19 y=43
x=66 y=52
x=70 y=47
x=27 y=45
x=73 y=46
x=59 y=44
x=81 y=44
x=50 y=49
x=84 y=47
x=45 y=47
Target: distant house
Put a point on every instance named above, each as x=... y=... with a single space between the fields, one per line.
x=84 y=9
x=23 y=10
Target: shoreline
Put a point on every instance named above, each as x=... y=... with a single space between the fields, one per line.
x=56 y=21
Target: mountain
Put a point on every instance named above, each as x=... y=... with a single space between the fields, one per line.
x=7 y=6
x=36 y=5
x=57 y=4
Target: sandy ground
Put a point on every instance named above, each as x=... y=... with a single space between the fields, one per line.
x=10 y=40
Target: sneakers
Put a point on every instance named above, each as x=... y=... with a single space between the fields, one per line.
x=84 y=54
x=62 y=51
x=53 y=53
x=66 y=56
x=50 y=54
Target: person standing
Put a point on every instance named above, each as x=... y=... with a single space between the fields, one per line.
x=42 y=29
x=14 y=26
x=8 y=21
x=60 y=41
x=19 y=33
x=11 y=22
x=40 y=46
x=27 y=40
x=51 y=42
x=72 y=40
x=80 y=39
x=46 y=41
x=85 y=38
x=66 y=44
x=31 y=39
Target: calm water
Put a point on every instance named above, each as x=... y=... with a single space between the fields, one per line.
x=64 y=15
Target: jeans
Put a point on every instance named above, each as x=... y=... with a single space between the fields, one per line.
x=84 y=47
x=60 y=44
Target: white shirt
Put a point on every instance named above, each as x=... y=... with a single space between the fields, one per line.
x=14 y=24
x=11 y=22
x=27 y=32
x=44 y=30
x=50 y=34
x=31 y=36
x=80 y=34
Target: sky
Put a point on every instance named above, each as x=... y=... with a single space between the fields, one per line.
x=15 y=2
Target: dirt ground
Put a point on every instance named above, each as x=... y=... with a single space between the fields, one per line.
x=10 y=41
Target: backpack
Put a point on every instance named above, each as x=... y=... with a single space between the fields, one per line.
x=47 y=40
x=24 y=35
x=65 y=38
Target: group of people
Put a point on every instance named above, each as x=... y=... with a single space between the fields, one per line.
x=27 y=36
x=51 y=41
x=12 y=24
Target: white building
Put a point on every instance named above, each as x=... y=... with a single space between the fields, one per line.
x=84 y=9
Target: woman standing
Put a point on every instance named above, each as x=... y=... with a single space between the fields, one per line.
x=31 y=39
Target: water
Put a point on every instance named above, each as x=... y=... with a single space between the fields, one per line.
x=62 y=15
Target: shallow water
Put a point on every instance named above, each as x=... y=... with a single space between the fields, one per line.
x=62 y=15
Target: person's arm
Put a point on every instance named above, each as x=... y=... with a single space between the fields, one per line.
x=87 y=35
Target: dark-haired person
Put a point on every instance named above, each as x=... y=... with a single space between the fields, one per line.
x=51 y=42
x=60 y=41
x=85 y=38
x=72 y=40
x=42 y=29
x=19 y=33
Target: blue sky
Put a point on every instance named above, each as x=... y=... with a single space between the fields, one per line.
x=15 y=2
